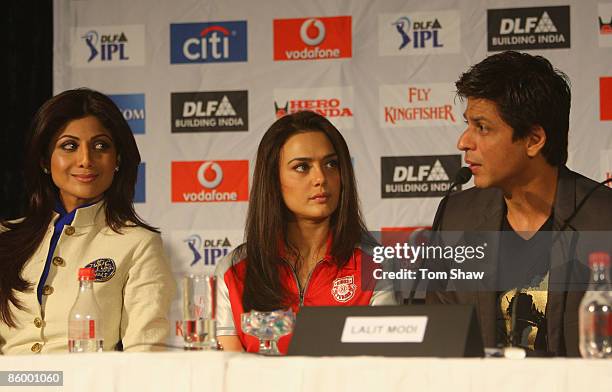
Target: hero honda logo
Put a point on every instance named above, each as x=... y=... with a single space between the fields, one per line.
x=419 y=33
x=335 y=103
x=104 y=46
x=210 y=181
x=313 y=38
x=212 y=42
x=210 y=111
x=528 y=28
x=418 y=176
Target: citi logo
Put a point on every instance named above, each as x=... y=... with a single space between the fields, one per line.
x=213 y=41
x=208 y=42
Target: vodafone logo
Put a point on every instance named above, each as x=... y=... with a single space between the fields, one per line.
x=310 y=28
x=313 y=38
x=217 y=175
x=210 y=181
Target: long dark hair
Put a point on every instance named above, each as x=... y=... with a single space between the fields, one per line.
x=22 y=239
x=266 y=222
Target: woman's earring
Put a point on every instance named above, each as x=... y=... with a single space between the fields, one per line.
x=45 y=170
x=116 y=168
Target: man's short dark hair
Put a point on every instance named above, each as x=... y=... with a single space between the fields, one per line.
x=528 y=92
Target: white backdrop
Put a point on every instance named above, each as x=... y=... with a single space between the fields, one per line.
x=201 y=81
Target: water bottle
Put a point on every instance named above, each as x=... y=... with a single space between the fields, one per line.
x=85 y=320
x=596 y=310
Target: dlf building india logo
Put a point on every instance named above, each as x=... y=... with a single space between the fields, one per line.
x=418 y=176
x=210 y=111
x=313 y=38
x=528 y=28
x=419 y=33
x=210 y=181
x=108 y=46
x=213 y=42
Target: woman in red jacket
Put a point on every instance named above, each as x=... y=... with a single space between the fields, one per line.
x=303 y=231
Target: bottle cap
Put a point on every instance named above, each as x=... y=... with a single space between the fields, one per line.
x=87 y=274
x=601 y=258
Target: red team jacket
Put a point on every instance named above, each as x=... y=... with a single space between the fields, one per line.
x=328 y=285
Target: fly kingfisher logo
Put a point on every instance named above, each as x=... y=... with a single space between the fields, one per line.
x=132 y=106
x=605 y=24
x=418 y=176
x=313 y=38
x=418 y=105
x=108 y=46
x=212 y=42
x=605 y=98
x=210 y=181
x=419 y=33
x=335 y=103
x=210 y=111
x=528 y=28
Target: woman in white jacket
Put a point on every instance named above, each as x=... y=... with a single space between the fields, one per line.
x=81 y=169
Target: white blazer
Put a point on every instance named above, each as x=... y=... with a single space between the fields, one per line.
x=134 y=298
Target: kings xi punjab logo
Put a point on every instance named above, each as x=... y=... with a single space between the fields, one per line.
x=344 y=289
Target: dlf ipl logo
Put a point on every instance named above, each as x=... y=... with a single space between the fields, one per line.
x=419 y=33
x=132 y=106
x=213 y=42
x=210 y=181
x=106 y=46
x=207 y=251
x=313 y=38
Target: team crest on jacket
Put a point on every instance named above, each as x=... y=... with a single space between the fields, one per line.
x=343 y=289
x=105 y=269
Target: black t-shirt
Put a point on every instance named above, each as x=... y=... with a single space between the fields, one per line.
x=523 y=281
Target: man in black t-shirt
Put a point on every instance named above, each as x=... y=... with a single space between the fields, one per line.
x=515 y=144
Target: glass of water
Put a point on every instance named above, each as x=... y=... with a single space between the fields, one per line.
x=199 y=312
x=268 y=327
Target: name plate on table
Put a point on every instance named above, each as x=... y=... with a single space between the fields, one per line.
x=394 y=329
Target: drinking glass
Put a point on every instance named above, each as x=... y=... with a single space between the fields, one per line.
x=199 y=312
x=268 y=327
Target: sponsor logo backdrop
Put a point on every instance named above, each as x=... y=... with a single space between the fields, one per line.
x=200 y=82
